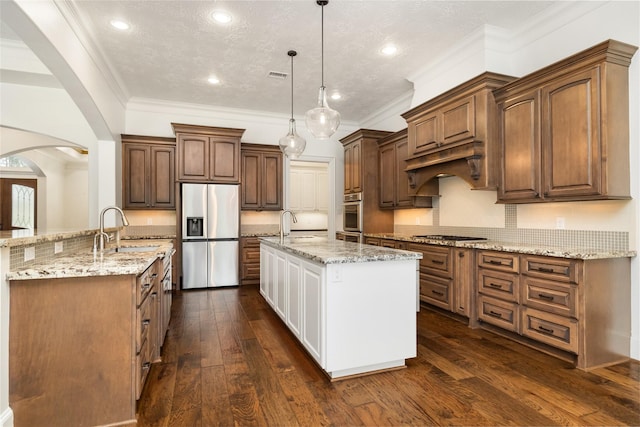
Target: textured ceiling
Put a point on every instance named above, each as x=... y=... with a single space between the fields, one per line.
x=172 y=47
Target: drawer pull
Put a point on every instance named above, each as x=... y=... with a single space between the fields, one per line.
x=545 y=330
x=437 y=292
x=146 y=366
x=546 y=296
x=495 y=262
x=146 y=322
x=146 y=286
x=495 y=285
x=435 y=261
x=545 y=269
x=495 y=314
x=154 y=275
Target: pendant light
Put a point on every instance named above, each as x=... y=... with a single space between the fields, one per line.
x=322 y=121
x=292 y=144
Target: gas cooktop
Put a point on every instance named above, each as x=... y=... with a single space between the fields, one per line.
x=446 y=237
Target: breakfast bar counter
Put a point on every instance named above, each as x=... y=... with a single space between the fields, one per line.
x=352 y=306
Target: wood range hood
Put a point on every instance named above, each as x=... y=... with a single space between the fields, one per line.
x=455 y=133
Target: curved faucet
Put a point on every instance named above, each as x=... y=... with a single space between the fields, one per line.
x=293 y=217
x=102 y=235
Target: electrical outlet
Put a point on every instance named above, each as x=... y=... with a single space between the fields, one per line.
x=560 y=223
x=337 y=273
x=29 y=253
x=149 y=221
x=417 y=221
x=58 y=247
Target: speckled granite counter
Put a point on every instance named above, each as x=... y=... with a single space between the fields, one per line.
x=30 y=237
x=521 y=248
x=327 y=251
x=85 y=264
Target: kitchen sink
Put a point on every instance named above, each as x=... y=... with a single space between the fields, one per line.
x=134 y=249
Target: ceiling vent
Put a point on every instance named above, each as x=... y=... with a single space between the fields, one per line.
x=277 y=75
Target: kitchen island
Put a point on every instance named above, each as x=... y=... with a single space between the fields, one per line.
x=352 y=306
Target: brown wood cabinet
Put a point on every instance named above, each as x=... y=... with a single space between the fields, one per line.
x=392 y=177
x=85 y=365
x=361 y=169
x=250 y=260
x=261 y=182
x=564 y=129
x=207 y=154
x=148 y=172
x=577 y=310
x=455 y=133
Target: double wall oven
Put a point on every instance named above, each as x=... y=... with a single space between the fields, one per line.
x=352 y=217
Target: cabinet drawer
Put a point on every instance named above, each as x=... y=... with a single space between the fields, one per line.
x=143 y=323
x=498 y=261
x=250 y=242
x=557 y=331
x=436 y=290
x=557 y=269
x=250 y=271
x=435 y=259
x=553 y=297
x=497 y=312
x=251 y=255
x=145 y=283
x=498 y=284
x=143 y=366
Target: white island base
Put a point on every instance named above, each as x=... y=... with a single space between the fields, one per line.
x=352 y=317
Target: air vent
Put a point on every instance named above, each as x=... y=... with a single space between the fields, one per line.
x=277 y=75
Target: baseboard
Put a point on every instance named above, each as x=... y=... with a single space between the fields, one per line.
x=6 y=418
x=635 y=347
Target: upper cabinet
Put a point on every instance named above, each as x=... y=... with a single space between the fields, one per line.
x=564 y=130
x=308 y=188
x=208 y=154
x=352 y=170
x=392 y=177
x=261 y=187
x=148 y=172
x=455 y=134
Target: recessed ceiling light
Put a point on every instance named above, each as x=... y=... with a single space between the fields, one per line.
x=120 y=25
x=389 y=50
x=336 y=95
x=213 y=80
x=221 y=16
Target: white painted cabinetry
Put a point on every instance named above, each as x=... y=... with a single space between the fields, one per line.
x=309 y=191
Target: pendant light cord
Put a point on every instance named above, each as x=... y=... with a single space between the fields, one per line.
x=322 y=45
x=291 y=86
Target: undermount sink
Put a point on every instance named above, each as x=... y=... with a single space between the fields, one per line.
x=135 y=249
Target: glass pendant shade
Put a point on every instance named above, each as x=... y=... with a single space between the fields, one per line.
x=292 y=144
x=322 y=121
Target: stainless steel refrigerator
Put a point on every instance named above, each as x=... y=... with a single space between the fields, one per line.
x=210 y=233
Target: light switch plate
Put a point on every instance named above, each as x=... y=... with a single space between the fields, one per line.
x=29 y=253
x=58 y=247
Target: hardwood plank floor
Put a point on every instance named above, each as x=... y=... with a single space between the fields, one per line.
x=229 y=360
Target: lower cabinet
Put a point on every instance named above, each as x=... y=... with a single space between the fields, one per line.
x=250 y=260
x=575 y=309
x=80 y=349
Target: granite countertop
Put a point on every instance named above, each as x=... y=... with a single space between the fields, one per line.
x=325 y=251
x=86 y=264
x=522 y=248
x=12 y=238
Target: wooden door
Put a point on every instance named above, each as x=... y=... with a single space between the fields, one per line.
x=136 y=177
x=348 y=168
x=402 y=178
x=424 y=133
x=24 y=212
x=387 y=177
x=224 y=161
x=356 y=167
x=520 y=146
x=193 y=157
x=458 y=121
x=571 y=155
x=272 y=181
x=163 y=177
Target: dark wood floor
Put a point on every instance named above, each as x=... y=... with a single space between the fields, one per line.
x=229 y=360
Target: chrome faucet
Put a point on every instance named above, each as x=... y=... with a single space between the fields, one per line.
x=102 y=236
x=293 y=217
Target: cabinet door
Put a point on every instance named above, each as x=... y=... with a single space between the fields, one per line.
x=313 y=308
x=193 y=157
x=271 y=196
x=402 y=179
x=308 y=190
x=137 y=170
x=163 y=177
x=459 y=121
x=322 y=192
x=387 y=176
x=224 y=161
x=280 y=297
x=424 y=133
x=571 y=155
x=250 y=180
x=520 y=146
x=348 y=168
x=463 y=300
x=294 y=290
x=356 y=167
